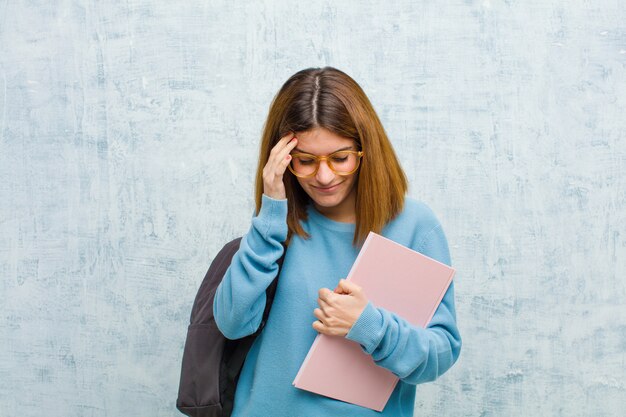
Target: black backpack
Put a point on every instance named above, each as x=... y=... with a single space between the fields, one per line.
x=212 y=363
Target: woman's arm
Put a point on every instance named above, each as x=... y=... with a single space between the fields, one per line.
x=240 y=298
x=414 y=354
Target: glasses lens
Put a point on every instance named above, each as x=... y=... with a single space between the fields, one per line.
x=303 y=165
x=344 y=162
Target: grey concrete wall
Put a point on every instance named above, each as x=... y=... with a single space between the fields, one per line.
x=128 y=141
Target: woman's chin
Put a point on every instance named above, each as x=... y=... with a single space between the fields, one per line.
x=325 y=202
x=328 y=202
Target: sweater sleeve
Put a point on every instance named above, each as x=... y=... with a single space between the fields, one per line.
x=240 y=297
x=416 y=355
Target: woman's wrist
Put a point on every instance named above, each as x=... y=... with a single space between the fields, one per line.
x=274 y=198
x=272 y=218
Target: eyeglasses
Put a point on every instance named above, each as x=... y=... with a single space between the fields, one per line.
x=306 y=165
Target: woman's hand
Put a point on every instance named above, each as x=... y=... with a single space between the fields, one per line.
x=276 y=165
x=340 y=309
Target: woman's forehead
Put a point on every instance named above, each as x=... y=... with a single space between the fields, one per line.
x=321 y=141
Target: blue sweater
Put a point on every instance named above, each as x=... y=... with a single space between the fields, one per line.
x=265 y=389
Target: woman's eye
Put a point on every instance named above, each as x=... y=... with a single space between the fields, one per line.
x=338 y=159
x=305 y=161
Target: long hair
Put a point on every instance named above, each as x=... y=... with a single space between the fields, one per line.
x=330 y=99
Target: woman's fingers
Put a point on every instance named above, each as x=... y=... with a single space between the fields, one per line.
x=318 y=326
x=282 y=156
x=324 y=306
x=321 y=325
x=282 y=143
x=319 y=314
x=276 y=165
x=279 y=159
x=322 y=301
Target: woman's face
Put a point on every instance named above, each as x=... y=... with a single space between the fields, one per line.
x=333 y=195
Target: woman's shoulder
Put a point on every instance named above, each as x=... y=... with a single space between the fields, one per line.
x=414 y=224
x=419 y=213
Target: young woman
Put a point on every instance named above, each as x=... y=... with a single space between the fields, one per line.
x=327 y=176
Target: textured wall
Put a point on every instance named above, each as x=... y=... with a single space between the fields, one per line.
x=128 y=138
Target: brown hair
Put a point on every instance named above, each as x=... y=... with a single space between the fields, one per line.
x=330 y=99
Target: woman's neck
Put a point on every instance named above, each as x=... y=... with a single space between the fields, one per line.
x=345 y=212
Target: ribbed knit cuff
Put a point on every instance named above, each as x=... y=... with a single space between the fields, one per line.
x=368 y=330
x=267 y=197
x=273 y=218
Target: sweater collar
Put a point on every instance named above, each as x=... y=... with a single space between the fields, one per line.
x=327 y=223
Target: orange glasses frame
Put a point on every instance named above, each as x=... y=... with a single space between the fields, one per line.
x=318 y=159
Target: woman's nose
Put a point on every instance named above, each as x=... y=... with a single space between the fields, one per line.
x=324 y=175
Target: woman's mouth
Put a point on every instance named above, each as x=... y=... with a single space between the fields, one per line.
x=326 y=189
